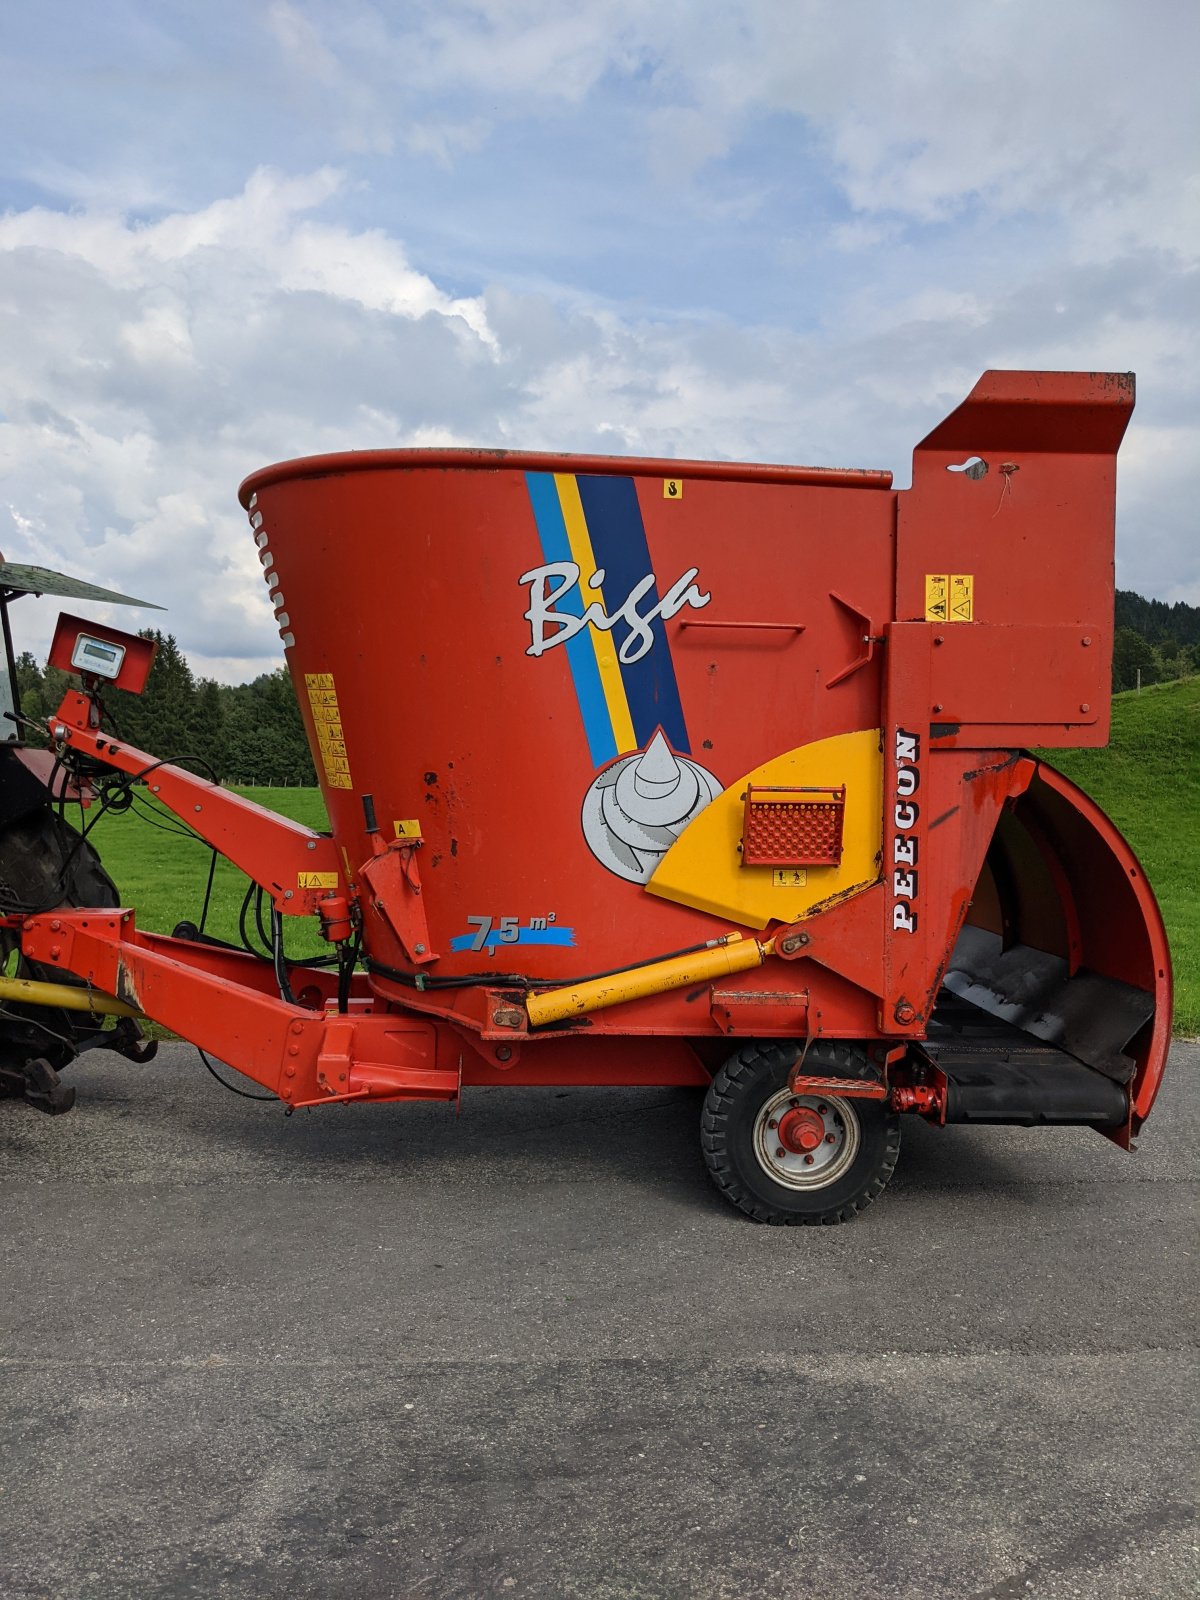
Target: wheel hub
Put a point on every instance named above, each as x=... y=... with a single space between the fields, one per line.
x=801 y=1129
x=806 y=1141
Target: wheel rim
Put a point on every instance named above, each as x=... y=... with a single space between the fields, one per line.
x=806 y=1141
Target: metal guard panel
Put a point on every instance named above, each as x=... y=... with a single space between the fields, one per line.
x=1022 y=676
x=703 y=869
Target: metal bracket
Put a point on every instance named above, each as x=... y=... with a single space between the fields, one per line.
x=393 y=883
x=869 y=640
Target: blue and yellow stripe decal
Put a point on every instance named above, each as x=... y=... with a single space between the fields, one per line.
x=596 y=522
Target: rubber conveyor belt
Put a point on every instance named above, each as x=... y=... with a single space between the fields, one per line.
x=997 y=1074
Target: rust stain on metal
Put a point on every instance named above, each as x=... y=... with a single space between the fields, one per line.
x=127 y=988
x=980 y=772
x=842 y=894
x=761 y=997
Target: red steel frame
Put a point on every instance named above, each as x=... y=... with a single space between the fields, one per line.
x=228 y=1002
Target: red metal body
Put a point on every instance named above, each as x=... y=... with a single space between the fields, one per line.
x=555 y=678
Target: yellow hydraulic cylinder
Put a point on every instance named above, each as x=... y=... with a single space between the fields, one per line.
x=728 y=955
x=65 y=996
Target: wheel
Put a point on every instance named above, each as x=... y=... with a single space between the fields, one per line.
x=44 y=863
x=787 y=1158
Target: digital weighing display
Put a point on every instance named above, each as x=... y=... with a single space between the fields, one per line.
x=97 y=656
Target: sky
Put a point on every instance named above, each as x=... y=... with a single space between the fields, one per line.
x=238 y=232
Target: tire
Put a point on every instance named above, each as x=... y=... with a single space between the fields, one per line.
x=44 y=863
x=859 y=1140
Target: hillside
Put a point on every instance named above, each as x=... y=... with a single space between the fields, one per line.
x=1148 y=781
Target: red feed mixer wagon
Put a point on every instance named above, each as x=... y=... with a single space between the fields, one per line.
x=665 y=772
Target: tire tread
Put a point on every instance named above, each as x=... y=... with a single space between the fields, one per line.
x=736 y=1079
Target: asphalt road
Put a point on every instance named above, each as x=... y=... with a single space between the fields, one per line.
x=530 y=1353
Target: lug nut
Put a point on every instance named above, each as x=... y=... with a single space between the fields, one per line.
x=808 y=1161
x=780 y=1152
x=774 y=1122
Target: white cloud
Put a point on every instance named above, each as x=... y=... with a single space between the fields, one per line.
x=147 y=367
x=1013 y=106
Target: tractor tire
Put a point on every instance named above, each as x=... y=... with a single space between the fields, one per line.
x=45 y=863
x=844 y=1151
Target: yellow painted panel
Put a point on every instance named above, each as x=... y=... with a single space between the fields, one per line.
x=703 y=867
x=409 y=828
x=962 y=597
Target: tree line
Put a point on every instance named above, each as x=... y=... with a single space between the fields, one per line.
x=252 y=733
x=1153 y=641
x=246 y=733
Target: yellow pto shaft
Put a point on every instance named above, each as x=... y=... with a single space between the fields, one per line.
x=67 y=997
x=728 y=955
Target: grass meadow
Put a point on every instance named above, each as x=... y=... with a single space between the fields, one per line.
x=163 y=876
x=1148 y=780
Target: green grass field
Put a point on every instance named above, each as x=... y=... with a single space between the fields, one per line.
x=163 y=876
x=1148 y=780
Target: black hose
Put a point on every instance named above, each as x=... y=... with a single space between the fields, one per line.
x=225 y=1084
x=245 y=937
x=347 y=961
x=277 y=958
x=208 y=889
x=517 y=980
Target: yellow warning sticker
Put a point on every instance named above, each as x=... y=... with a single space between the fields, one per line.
x=789 y=877
x=331 y=743
x=672 y=488
x=316 y=880
x=410 y=828
x=949 y=597
x=962 y=597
